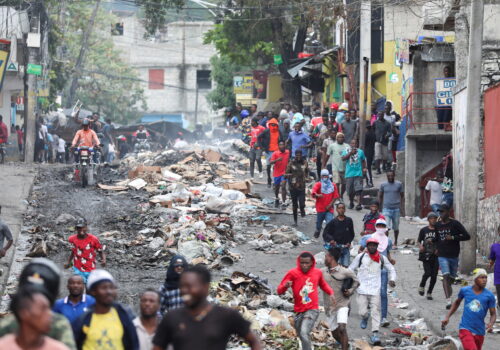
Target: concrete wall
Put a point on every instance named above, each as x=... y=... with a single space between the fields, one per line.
x=406 y=22
x=489 y=208
x=12 y=85
x=180 y=51
x=424 y=74
x=423 y=153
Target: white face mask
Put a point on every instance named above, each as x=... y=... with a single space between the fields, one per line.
x=381 y=230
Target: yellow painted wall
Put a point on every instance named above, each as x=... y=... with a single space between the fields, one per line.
x=330 y=68
x=274 y=90
x=392 y=90
x=381 y=82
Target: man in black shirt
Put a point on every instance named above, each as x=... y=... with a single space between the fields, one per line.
x=339 y=233
x=200 y=324
x=450 y=233
x=427 y=255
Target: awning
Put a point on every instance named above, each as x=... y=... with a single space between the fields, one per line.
x=297 y=65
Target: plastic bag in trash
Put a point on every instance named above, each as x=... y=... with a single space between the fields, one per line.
x=219 y=205
x=233 y=195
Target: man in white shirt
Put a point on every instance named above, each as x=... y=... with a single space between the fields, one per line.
x=436 y=190
x=61 y=150
x=146 y=324
x=369 y=265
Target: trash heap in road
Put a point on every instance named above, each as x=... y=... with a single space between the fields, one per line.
x=271 y=315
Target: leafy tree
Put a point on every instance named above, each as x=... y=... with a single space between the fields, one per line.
x=251 y=31
x=108 y=84
x=222 y=74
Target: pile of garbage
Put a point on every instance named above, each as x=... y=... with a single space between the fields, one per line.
x=271 y=315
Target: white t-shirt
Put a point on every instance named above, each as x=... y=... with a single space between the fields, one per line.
x=42 y=132
x=60 y=146
x=436 y=191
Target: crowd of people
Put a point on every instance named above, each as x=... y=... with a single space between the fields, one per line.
x=328 y=137
x=178 y=314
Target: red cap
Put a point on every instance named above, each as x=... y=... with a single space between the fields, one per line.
x=372 y=240
x=334 y=106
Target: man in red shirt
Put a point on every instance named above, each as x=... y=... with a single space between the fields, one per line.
x=268 y=141
x=325 y=193
x=280 y=159
x=4 y=133
x=255 y=149
x=305 y=280
x=83 y=253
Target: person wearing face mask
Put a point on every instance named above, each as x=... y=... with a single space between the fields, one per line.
x=369 y=265
x=325 y=193
x=169 y=291
x=384 y=248
x=268 y=141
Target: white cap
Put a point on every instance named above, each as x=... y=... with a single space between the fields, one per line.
x=97 y=276
x=380 y=222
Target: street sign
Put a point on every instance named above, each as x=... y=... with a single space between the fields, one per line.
x=444 y=91
x=34 y=69
x=12 y=67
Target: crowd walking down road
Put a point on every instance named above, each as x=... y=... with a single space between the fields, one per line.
x=314 y=180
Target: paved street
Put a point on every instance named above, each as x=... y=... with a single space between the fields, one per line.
x=408 y=268
x=16 y=181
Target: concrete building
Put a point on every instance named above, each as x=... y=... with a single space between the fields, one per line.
x=174 y=66
x=12 y=26
x=426 y=145
x=482 y=181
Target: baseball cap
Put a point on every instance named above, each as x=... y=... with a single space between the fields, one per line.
x=380 y=222
x=372 y=240
x=42 y=274
x=325 y=172
x=81 y=222
x=97 y=276
x=432 y=215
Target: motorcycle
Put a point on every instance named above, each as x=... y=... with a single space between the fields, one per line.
x=142 y=145
x=85 y=164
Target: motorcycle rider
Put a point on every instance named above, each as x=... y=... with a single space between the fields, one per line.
x=140 y=135
x=85 y=137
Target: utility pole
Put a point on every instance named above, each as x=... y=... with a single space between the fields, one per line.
x=30 y=87
x=196 y=104
x=469 y=192
x=365 y=58
x=81 y=56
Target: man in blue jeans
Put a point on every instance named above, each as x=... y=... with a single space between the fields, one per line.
x=391 y=195
x=384 y=247
x=449 y=234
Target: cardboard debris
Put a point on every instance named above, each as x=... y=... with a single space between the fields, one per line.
x=242 y=186
x=112 y=187
x=170 y=176
x=137 y=184
x=142 y=169
x=212 y=156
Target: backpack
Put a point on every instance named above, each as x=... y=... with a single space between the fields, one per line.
x=381 y=261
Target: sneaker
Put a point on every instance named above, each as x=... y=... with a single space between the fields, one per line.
x=429 y=296
x=316 y=234
x=448 y=305
x=303 y=213
x=375 y=339
x=359 y=207
x=351 y=205
x=276 y=203
x=364 y=323
x=384 y=322
x=261 y=175
x=421 y=291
